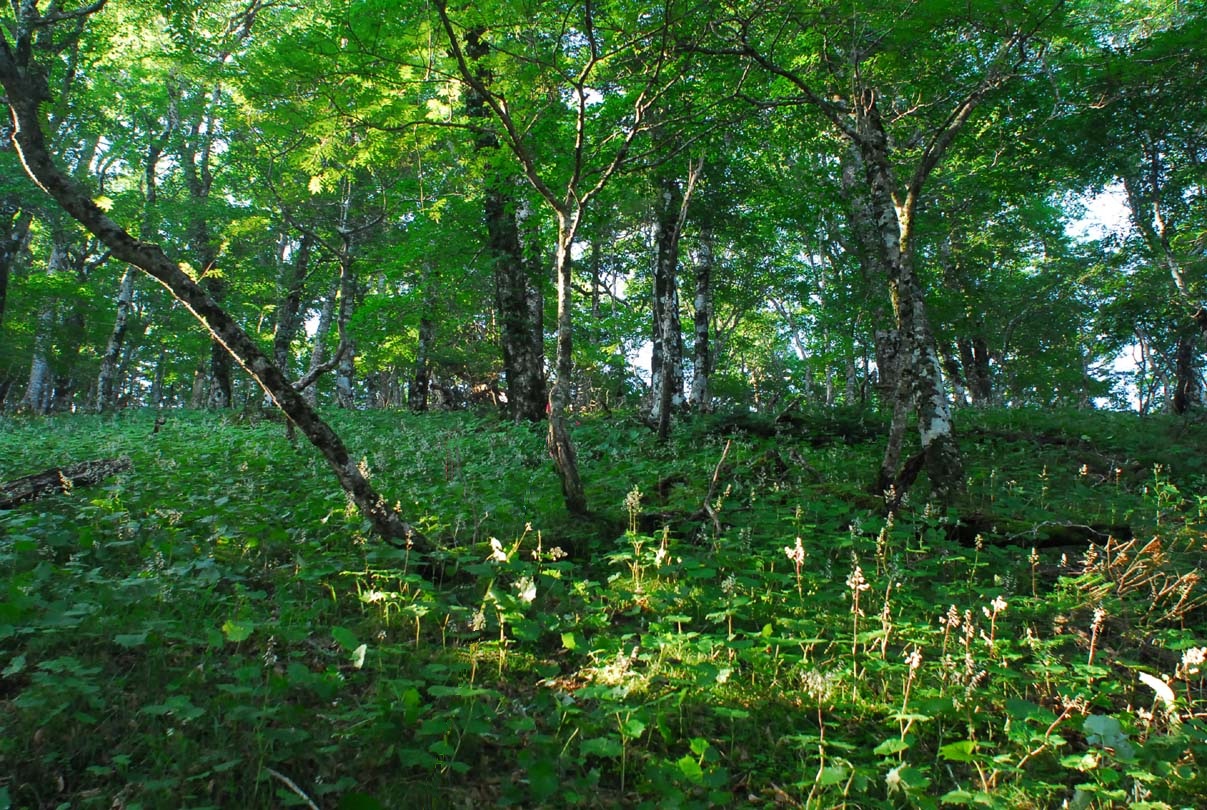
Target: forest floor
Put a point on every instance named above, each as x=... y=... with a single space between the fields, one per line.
x=738 y=623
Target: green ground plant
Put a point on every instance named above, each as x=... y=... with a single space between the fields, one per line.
x=741 y=625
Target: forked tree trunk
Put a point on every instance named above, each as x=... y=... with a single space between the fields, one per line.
x=24 y=98
x=920 y=382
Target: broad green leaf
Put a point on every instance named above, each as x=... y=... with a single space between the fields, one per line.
x=691 y=769
x=833 y=775
x=632 y=728
x=133 y=639
x=961 y=751
x=602 y=747
x=14 y=666
x=345 y=638
x=236 y=630
x=893 y=745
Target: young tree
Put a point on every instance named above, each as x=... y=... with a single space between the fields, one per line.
x=595 y=84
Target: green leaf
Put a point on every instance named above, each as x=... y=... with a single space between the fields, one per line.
x=833 y=775
x=1103 y=726
x=961 y=751
x=691 y=769
x=359 y=801
x=358 y=656
x=237 y=631
x=602 y=747
x=890 y=746
x=632 y=728
x=129 y=640
x=14 y=666
x=542 y=779
x=962 y=797
x=569 y=641
x=345 y=638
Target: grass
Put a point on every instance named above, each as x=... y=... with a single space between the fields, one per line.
x=216 y=628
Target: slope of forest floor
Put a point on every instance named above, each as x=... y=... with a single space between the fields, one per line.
x=737 y=624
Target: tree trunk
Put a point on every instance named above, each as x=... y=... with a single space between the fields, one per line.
x=318 y=352
x=955 y=373
x=346 y=369
x=667 y=357
x=1147 y=191
x=70 y=336
x=16 y=224
x=291 y=285
x=105 y=383
x=521 y=309
x=1186 y=390
x=24 y=98
x=161 y=370
x=561 y=448
x=921 y=374
x=37 y=398
x=421 y=384
x=702 y=357
x=518 y=288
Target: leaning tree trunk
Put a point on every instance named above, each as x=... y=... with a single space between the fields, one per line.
x=24 y=97
x=1147 y=190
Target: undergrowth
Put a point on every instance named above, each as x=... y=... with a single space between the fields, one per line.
x=738 y=624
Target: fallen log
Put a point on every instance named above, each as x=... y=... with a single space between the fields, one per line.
x=59 y=479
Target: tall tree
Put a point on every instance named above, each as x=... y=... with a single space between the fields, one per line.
x=876 y=77
x=519 y=289
x=609 y=77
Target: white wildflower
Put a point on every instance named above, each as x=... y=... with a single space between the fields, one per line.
x=497 y=554
x=526 y=588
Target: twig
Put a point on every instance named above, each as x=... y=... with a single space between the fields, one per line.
x=712 y=489
x=289 y=783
